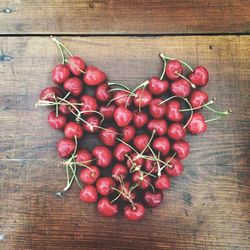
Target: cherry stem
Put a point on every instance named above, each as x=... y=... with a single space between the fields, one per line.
x=93 y=111
x=61 y=44
x=222 y=113
x=143 y=88
x=167 y=163
x=191 y=84
x=170 y=58
x=151 y=138
x=61 y=52
x=164 y=68
x=118 y=84
x=117 y=97
x=74 y=65
x=158 y=164
x=204 y=105
x=119 y=89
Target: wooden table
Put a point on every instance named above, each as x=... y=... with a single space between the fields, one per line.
x=208 y=206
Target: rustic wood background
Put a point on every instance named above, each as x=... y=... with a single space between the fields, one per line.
x=208 y=207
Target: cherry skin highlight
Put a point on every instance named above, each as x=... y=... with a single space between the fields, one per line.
x=199 y=76
x=198 y=98
x=107 y=111
x=91 y=124
x=60 y=74
x=140 y=119
x=173 y=111
x=157 y=87
x=141 y=141
x=89 y=104
x=84 y=157
x=180 y=87
x=162 y=145
x=76 y=64
x=162 y=182
x=128 y=133
x=73 y=129
x=173 y=69
x=65 y=147
x=142 y=98
x=93 y=76
x=119 y=171
x=176 y=131
x=108 y=136
x=104 y=186
x=120 y=151
x=159 y=125
x=135 y=212
x=50 y=94
x=175 y=168
x=106 y=208
x=197 y=124
x=56 y=122
x=122 y=116
x=89 y=175
x=102 y=93
x=103 y=156
x=152 y=199
x=181 y=148
x=156 y=109
x=89 y=194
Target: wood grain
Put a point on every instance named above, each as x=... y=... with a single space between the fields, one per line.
x=206 y=208
x=124 y=17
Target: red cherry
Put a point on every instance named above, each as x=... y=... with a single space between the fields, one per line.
x=180 y=87
x=106 y=208
x=104 y=186
x=108 y=136
x=181 y=148
x=175 y=168
x=92 y=124
x=89 y=175
x=119 y=171
x=142 y=98
x=93 y=76
x=197 y=124
x=134 y=212
x=76 y=65
x=176 y=131
x=56 y=122
x=157 y=86
x=128 y=133
x=161 y=144
x=60 y=74
x=103 y=156
x=173 y=111
x=159 y=125
x=156 y=109
x=141 y=141
x=88 y=104
x=121 y=150
x=134 y=161
x=150 y=166
x=50 y=93
x=102 y=93
x=173 y=69
x=73 y=129
x=66 y=109
x=142 y=180
x=199 y=76
x=84 y=156
x=74 y=86
x=153 y=200
x=122 y=116
x=121 y=98
x=140 y=119
x=89 y=194
x=65 y=147
x=198 y=98
x=162 y=182
x=107 y=111
x=125 y=191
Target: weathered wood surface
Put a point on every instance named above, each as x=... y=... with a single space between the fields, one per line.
x=123 y=17
x=206 y=208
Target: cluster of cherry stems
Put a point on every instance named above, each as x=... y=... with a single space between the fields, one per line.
x=142 y=131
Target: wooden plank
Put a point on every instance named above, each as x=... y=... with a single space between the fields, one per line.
x=123 y=17
x=206 y=208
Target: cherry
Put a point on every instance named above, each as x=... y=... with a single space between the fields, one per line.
x=157 y=87
x=156 y=109
x=142 y=180
x=89 y=194
x=108 y=136
x=107 y=111
x=73 y=129
x=128 y=133
x=198 y=98
x=119 y=171
x=162 y=182
x=92 y=124
x=142 y=98
x=159 y=125
x=122 y=116
x=173 y=69
x=93 y=76
x=74 y=85
x=199 y=76
x=176 y=131
x=50 y=93
x=121 y=150
x=162 y=145
x=122 y=98
x=60 y=74
x=134 y=212
x=197 y=124
x=181 y=148
x=175 y=168
x=141 y=141
x=173 y=111
x=84 y=156
x=153 y=200
x=106 y=208
x=180 y=87
x=104 y=186
x=140 y=119
x=103 y=156
x=65 y=147
x=65 y=108
x=126 y=193
x=89 y=175
x=150 y=166
x=56 y=122
x=76 y=65
x=134 y=161
x=88 y=104
x=102 y=93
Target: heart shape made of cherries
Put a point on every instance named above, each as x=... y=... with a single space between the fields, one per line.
x=142 y=131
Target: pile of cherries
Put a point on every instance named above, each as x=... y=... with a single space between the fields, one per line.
x=142 y=131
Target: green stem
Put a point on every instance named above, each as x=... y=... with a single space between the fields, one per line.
x=204 y=105
x=219 y=112
x=118 y=84
x=164 y=68
x=191 y=84
x=61 y=44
